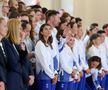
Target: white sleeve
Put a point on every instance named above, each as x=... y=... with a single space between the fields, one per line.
x=84 y=62
x=76 y=57
x=64 y=63
x=91 y=52
x=77 y=65
x=42 y=57
x=62 y=42
x=104 y=61
x=85 y=41
x=82 y=56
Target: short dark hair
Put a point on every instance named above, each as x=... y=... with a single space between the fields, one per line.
x=24 y=13
x=50 y=13
x=21 y=3
x=20 y=8
x=65 y=15
x=78 y=19
x=35 y=6
x=71 y=24
x=36 y=10
x=93 y=25
x=14 y=14
x=94 y=36
x=101 y=32
x=44 y=10
x=105 y=26
x=62 y=20
x=24 y=24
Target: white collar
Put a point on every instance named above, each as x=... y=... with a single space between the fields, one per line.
x=1 y=44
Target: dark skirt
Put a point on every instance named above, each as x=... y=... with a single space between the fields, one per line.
x=89 y=85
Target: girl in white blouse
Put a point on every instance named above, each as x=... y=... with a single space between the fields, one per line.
x=46 y=75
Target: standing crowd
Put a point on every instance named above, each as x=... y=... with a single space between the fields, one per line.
x=43 y=49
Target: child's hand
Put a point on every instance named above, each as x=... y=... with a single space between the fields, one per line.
x=22 y=46
x=31 y=80
x=73 y=73
x=81 y=74
x=54 y=80
x=78 y=78
x=31 y=55
x=102 y=74
x=88 y=71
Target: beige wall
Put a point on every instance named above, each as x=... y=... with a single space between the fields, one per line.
x=91 y=11
x=58 y=4
x=99 y=12
x=47 y=4
x=81 y=10
x=50 y=4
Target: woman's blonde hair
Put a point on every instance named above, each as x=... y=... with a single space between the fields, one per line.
x=13 y=33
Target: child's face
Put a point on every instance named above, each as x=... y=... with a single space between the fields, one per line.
x=94 y=64
x=70 y=40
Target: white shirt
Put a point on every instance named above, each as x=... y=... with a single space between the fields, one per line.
x=44 y=59
x=86 y=40
x=55 y=43
x=106 y=46
x=82 y=55
x=38 y=25
x=94 y=51
x=66 y=60
x=37 y=29
x=29 y=44
x=76 y=55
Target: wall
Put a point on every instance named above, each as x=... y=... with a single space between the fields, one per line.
x=91 y=11
x=1 y=3
x=58 y=4
x=50 y=4
x=99 y=11
x=81 y=10
x=46 y=3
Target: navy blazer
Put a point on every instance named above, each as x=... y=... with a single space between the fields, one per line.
x=13 y=57
x=3 y=65
x=19 y=64
x=14 y=73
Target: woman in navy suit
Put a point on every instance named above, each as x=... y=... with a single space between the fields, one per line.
x=3 y=59
x=16 y=69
